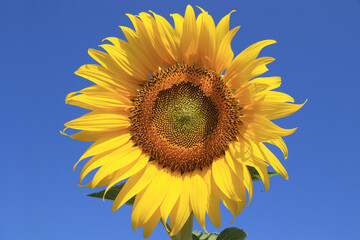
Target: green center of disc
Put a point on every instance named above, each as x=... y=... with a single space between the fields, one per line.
x=184 y=115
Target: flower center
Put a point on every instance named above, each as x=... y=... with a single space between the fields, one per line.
x=184 y=118
x=184 y=115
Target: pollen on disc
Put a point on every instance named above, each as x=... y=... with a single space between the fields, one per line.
x=184 y=115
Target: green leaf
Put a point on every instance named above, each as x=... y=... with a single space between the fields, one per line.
x=232 y=233
x=204 y=236
x=195 y=237
x=256 y=176
x=112 y=193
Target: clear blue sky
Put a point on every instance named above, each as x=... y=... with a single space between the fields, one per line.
x=318 y=57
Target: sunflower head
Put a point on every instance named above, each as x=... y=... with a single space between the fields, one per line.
x=177 y=115
x=180 y=113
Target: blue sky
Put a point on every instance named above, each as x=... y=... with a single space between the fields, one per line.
x=318 y=58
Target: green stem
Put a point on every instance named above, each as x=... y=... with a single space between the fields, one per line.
x=186 y=231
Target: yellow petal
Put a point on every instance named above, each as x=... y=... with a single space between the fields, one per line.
x=100 y=92
x=142 y=55
x=265 y=83
x=102 y=77
x=199 y=196
x=281 y=145
x=87 y=136
x=179 y=23
x=93 y=163
x=264 y=153
x=273 y=110
x=245 y=95
x=230 y=160
x=225 y=180
x=222 y=28
x=96 y=90
x=122 y=57
x=262 y=170
x=119 y=158
x=151 y=198
x=240 y=170
x=134 y=185
x=175 y=184
x=117 y=42
x=121 y=174
x=104 y=182
x=156 y=39
x=272 y=96
x=248 y=72
x=181 y=211
x=151 y=224
x=225 y=54
x=244 y=153
x=242 y=63
x=229 y=203
x=106 y=143
x=135 y=216
x=147 y=41
x=189 y=40
x=99 y=122
x=214 y=201
x=98 y=102
x=168 y=35
x=105 y=60
x=127 y=171
x=206 y=51
x=248 y=182
x=259 y=128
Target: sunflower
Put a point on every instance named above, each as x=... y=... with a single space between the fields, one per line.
x=177 y=115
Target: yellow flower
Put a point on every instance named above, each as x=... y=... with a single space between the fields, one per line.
x=173 y=111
